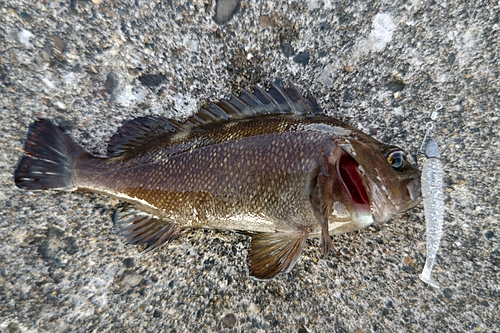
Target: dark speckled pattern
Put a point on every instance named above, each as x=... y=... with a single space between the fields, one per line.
x=229 y=169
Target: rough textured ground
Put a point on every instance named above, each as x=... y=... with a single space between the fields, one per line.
x=379 y=65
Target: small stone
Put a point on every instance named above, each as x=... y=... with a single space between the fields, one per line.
x=128 y=262
x=171 y=284
x=59 y=43
x=13 y=328
x=157 y=313
x=77 y=68
x=287 y=49
x=319 y=289
x=302 y=58
x=112 y=82
x=451 y=58
x=229 y=320
x=348 y=69
x=325 y=76
x=24 y=37
x=266 y=21
x=97 y=2
x=46 y=101
x=133 y=72
x=60 y=105
x=132 y=280
x=302 y=330
x=395 y=86
x=489 y=234
x=448 y=293
x=152 y=80
x=324 y=26
x=408 y=269
x=46 y=52
x=225 y=10
x=92 y=70
x=194 y=45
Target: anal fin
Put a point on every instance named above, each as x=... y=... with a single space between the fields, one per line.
x=274 y=253
x=140 y=228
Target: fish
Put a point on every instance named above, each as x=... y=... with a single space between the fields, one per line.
x=268 y=163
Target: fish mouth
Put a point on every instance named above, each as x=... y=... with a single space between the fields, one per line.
x=348 y=170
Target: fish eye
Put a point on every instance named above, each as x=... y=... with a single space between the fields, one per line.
x=396 y=159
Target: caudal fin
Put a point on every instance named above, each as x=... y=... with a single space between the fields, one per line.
x=49 y=158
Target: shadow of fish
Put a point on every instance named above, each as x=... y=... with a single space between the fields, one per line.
x=269 y=164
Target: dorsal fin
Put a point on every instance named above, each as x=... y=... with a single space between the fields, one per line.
x=277 y=100
x=137 y=132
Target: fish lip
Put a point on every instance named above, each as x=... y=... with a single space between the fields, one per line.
x=414 y=189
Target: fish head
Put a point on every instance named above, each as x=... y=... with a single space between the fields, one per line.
x=378 y=180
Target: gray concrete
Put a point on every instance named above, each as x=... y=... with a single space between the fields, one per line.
x=381 y=66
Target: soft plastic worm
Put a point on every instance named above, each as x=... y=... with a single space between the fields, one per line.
x=432 y=192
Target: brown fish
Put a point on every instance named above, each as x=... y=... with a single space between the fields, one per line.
x=269 y=164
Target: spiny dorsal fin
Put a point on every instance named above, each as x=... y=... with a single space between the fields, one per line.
x=277 y=100
x=140 y=228
x=274 y=253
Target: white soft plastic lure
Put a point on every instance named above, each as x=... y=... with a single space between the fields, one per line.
x=432 y=192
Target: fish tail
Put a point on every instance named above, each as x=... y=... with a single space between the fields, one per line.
x=49 y=160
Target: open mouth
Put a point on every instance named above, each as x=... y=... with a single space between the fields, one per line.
x=348 y=170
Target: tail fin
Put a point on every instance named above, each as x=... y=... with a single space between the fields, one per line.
x=49 y=158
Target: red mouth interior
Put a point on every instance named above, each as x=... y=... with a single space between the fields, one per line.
x=348 y=168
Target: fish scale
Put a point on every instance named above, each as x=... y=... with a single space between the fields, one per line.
x=273 y=182
x=269 y=164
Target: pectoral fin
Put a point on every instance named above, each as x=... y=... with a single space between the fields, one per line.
x=275 y=253
x=322 y=201
x=141 y=228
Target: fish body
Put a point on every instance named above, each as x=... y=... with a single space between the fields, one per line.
x=266 y=163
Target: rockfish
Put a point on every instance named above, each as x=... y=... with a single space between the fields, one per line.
x=267 y=163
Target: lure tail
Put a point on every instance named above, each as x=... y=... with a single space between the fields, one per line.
x=49 y=159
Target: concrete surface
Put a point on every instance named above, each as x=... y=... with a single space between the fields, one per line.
x=379 y=65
